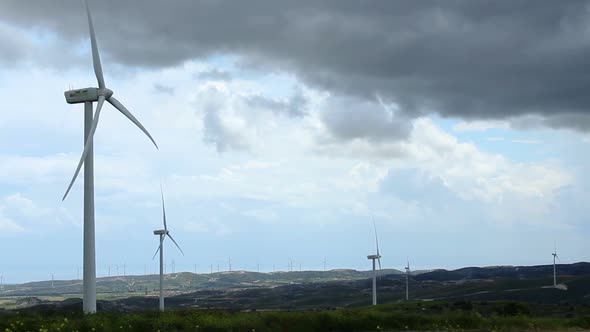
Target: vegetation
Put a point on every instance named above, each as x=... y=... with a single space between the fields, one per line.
x=439 y=316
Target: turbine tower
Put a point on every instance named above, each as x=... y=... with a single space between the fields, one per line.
x=162 y=233
x=87 y=96
x=376 y=257
x=407 y=275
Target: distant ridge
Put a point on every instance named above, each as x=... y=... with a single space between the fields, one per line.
x=245 y=290
x=517 y=272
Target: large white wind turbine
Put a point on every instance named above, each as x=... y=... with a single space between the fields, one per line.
x=88 y=96
x=162 y=233
x=376 y=257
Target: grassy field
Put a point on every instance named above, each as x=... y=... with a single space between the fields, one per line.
x=431 y=316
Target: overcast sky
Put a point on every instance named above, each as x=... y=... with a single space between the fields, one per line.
x=285 y=127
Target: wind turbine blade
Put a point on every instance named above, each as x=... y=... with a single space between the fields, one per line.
x=177 y=246
x=376 y=240
x=130 y=116
x=163 y=208
x=95 y=55
x=88 y=144
x=157 y=250
x=379 y=261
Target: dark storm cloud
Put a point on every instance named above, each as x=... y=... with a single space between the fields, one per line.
x=471 y=59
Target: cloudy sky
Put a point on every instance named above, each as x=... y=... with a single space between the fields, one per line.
x=285 y=127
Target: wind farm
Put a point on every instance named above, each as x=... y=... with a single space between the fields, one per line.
x=283 y=130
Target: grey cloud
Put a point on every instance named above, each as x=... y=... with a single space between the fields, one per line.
x=215 y=130
x=415 y=185
x=217 y=134
x=24 y=45
x=164 y=89
x=216 y=75
x=351 y=118
x=470 y=59
x=14 y=47
x=295 y=107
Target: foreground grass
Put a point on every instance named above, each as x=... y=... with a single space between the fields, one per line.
x=391 y=317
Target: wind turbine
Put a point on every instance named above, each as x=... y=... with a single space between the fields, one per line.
x=554 y=271
x=89 y=96
x=376 y=257
x=162 y=233
x=407 y=275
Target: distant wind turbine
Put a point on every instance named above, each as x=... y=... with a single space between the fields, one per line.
x=88 y=96
x=555 y=284
x=554 y=269
x=407 y=284
x=376 y=257
x=162 y=233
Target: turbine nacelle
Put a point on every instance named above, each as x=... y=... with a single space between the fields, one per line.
x=161 y=232
x=79 y=96
x=373 y=256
